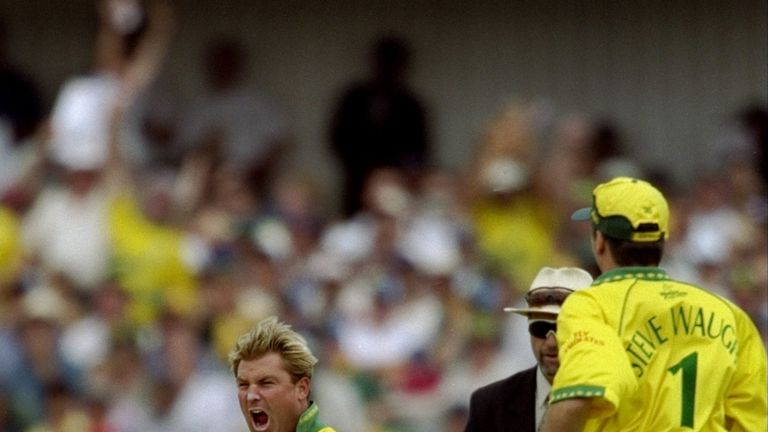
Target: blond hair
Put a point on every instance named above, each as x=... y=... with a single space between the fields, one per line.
x=273 y=336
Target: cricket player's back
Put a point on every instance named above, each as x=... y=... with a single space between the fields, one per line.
x=685 y=347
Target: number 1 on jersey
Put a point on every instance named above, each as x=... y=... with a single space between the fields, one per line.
x=688 y=365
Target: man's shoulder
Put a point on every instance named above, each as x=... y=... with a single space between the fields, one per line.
x=507 y=385
x=310 y=422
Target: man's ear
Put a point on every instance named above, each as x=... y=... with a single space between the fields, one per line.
x=302 y=388
x=600 y=249
x=599 y=243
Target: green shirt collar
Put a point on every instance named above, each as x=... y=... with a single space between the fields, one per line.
x=309 y=421
x=621 y=273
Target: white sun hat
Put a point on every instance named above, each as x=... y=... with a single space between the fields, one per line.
x=549 y=289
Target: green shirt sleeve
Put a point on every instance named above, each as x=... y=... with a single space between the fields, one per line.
x=592 y=360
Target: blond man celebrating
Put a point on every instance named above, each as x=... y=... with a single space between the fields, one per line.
x=273 y=367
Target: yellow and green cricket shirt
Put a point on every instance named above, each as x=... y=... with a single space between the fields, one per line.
x=309 y=421
x=655 y=354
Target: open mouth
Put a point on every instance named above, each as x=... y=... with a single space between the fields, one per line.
x=260 y=419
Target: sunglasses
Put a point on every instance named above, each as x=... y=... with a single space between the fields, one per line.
x=541 y=329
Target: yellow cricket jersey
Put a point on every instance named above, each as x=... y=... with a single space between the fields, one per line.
x=660 y=355
x=310 y=422
x=148 y=263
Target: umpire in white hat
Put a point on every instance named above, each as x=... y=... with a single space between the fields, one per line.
x=518 y=402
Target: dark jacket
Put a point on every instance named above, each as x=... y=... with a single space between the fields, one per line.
x=506 y=405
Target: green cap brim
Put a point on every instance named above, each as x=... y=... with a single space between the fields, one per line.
x=583 y=214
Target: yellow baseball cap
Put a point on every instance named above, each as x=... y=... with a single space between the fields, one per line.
x=627 y=208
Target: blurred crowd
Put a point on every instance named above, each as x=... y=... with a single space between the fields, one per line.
x=139 y=239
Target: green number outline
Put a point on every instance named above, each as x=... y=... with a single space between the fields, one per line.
x=688 y=365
